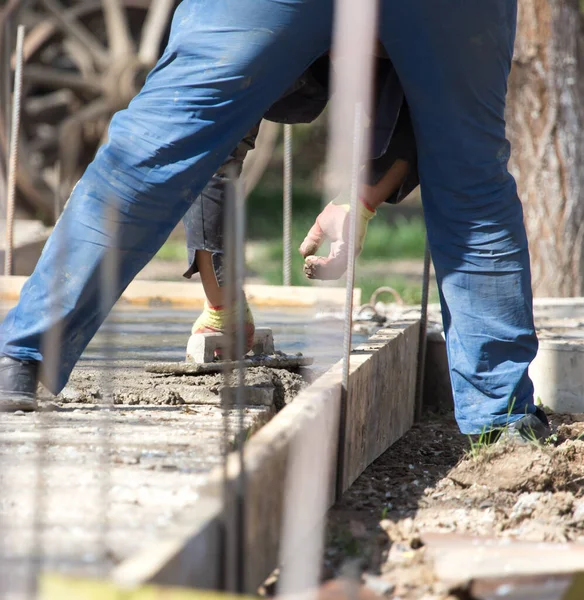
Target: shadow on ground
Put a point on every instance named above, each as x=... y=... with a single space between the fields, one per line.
x=391 y=489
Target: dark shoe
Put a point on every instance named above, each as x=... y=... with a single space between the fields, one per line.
x=18 y=384
x=530 y=428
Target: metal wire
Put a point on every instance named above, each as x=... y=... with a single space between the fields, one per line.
x=13 y=165
x=421 y=370
x=288 y=152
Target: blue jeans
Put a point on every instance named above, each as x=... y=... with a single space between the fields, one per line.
x=229 y=60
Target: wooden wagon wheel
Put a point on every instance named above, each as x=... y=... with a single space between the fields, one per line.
x=84 y=60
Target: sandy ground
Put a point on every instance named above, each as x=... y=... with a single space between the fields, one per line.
x=433 y=482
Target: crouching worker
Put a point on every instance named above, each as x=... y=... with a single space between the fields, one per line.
x=393 y=176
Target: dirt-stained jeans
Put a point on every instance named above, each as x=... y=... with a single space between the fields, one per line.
x=228 y=61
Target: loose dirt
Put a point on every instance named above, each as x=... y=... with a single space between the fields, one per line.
x=433 y=482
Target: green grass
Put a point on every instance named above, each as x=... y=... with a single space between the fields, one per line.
x=404 y=239
x=173 y=250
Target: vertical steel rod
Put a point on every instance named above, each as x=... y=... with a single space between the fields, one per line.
x=234 y=301
x=110 y=275
x=5 y=85
x=350 y=284
x=240 y=343
x=421 y=370
x=11 y=191
x=287 y=205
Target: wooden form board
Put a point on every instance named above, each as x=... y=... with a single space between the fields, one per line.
x=292 y=466
x=382 y=396
x=190 y=294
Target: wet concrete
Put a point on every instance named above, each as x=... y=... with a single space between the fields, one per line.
x=109 y=464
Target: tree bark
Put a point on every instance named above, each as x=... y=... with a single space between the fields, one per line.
x=546 y=128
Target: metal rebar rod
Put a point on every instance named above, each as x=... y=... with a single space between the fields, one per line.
x=349 y=290
x=234 y=301
x=240 y=344
x=110 y=275
x=287 y=275
x=421 y=369
x=350 y=284
x=15 y=129
x=5 y=85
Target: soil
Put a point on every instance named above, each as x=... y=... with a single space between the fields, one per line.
x=433 y=481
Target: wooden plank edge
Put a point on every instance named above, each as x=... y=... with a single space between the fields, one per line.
x=303 y=430
x=142 y=293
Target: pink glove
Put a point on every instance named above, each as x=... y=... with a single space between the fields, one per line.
x=333 y=224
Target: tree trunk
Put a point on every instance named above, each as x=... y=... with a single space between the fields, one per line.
x=546 y=129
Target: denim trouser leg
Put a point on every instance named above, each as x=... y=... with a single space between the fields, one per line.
x=453 y=59
x=227 y=61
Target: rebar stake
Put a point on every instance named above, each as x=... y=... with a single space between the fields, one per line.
x=423 y=332
x=13 y=163
x=287 y=205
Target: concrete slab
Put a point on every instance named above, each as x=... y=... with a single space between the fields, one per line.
x=292 y=463
x=86 y=487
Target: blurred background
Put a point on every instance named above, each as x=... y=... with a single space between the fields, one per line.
x=73 y=84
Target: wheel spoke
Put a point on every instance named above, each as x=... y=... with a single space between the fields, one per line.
x=70 y=139
x=95 y=110
x=118 y=30
x=54 y=78
x=77 y=30
x=44 y=108
x=80 y=57
x=157 y=21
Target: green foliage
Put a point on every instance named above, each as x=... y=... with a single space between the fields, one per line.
x=402 y=239
x=173 y=250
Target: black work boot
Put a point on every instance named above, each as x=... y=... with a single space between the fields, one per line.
x=18 y=384
x=533 y=427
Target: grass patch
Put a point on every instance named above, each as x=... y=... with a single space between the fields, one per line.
x=404 y=239
x=173 y=250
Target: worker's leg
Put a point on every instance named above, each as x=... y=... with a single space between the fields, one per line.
x=204 y=235
x=453 y=59
x=227 y=61
x=204 y=220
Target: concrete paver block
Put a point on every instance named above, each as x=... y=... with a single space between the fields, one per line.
x=201 y=347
